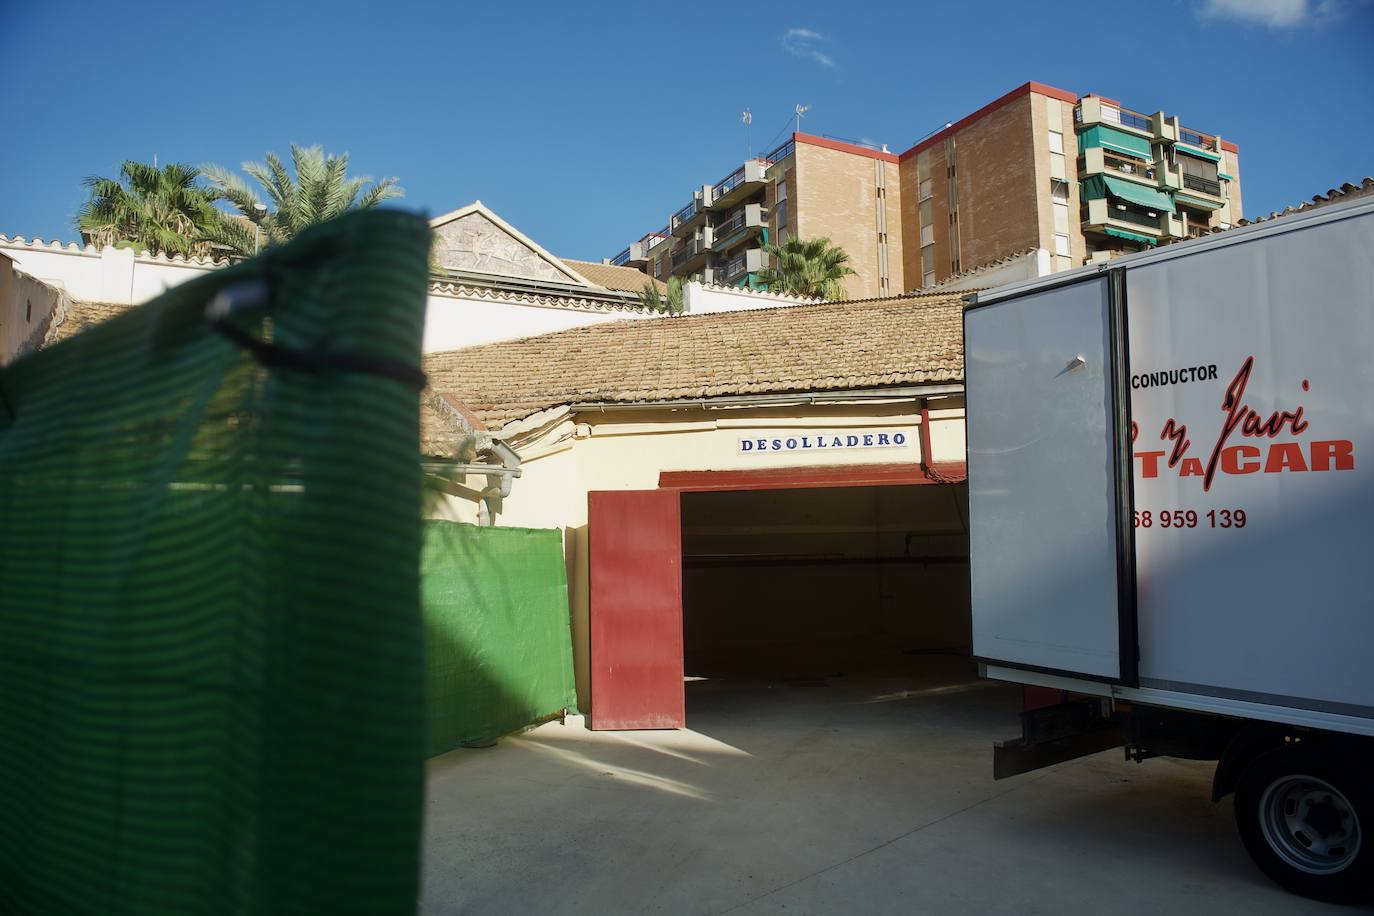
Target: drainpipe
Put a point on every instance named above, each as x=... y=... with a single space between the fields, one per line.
x=498 y=485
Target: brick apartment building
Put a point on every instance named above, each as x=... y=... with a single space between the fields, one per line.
x=1079 y=179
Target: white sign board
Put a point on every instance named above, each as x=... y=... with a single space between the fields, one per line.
x=1253 y=401
x=827 y=441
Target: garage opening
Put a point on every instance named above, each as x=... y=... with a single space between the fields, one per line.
x=804 y=586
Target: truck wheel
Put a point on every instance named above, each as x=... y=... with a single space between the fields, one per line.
x=1307 y=821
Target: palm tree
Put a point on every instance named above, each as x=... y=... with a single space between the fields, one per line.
x=655 y=301
x=319 y=191
x=811 y=267
x=162 y=210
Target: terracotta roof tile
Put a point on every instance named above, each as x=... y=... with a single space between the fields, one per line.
x=78 y=315
x=903 y=340
x=612 y=277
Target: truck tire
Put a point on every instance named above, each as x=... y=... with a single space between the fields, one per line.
x=1307 y=821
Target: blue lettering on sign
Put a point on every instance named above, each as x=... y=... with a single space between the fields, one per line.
x=763 y=444
x=868 y=439
x=791 y=443
x=851 y=441
x=882 y=438
x=746 y=445
x=777 y=444
x=899 y=438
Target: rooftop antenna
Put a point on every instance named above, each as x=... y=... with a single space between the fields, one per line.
x=748 y=119
x=801 y=110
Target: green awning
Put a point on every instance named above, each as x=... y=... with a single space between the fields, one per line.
x=1224 y=177
x=1130 y=236
x=1117 y=141
x=1194 y=151
x=1138 y=194
x=1199 y=202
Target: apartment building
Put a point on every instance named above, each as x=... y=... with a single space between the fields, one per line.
x=808 y=187
x=1038 y=170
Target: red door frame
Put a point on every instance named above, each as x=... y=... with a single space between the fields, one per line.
x=827 y=477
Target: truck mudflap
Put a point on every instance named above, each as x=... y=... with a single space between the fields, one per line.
x=1054 y=734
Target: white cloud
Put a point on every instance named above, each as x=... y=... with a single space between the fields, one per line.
x=802 y=43
x=1276 y=14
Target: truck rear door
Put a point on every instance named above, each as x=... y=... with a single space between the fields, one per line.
x=1053 y=585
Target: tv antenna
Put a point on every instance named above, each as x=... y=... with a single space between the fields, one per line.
x=748 y=119
x=801 y=110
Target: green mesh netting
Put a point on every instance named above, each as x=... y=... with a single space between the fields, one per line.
x=497 y=639
x=211 y=692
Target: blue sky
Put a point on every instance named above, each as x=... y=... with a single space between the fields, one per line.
x=586 y=125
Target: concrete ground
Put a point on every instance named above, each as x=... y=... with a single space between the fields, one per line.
x=828 y=795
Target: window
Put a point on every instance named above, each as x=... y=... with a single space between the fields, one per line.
x=1056 y=142
x=658 y=268
x=927 y=234
x=1059 y=190
x=1061 y=245
x=1061 y=217
x=782 y=236
x=782 y=191
x=928 y=259
x=780 y=211
x=927 y=189
x=928 y=279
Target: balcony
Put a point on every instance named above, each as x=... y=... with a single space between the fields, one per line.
x=741 y=265
x=637 y=254
x=1121 y=213
x=1205 y=185
x=691 y=253
x=740 y=183
x=781 y=153
x=1132 y=168
x=1094 y=110
x=1193 y=138
x=739 y=225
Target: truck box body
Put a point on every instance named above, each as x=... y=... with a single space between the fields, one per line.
x=1171 y=474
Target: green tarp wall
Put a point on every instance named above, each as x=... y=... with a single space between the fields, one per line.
x=497 y=635
x=211 y=651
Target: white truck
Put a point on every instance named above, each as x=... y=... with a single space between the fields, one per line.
x=1171 y=515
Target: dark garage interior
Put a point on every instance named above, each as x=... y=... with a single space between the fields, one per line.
x=808 y=584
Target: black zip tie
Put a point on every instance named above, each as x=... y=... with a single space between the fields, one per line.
x=258 y=291
x=273 y=357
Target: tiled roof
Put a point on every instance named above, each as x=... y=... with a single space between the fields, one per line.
x=77 y=316
x=613 y=277
x=1345 y=192
x=903 y=340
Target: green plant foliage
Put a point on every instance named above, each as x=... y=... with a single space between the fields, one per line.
x=319 y=190
x=160 y=210
x=654 y=300
x=806 y=267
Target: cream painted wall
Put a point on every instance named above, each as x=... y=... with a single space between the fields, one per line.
x=566 y=457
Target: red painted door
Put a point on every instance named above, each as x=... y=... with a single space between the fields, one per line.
x=636 y=608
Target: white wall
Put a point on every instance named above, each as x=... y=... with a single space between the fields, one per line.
x=1027 y=266
x=456 y=321
x=106 y=274
x=698 y=298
